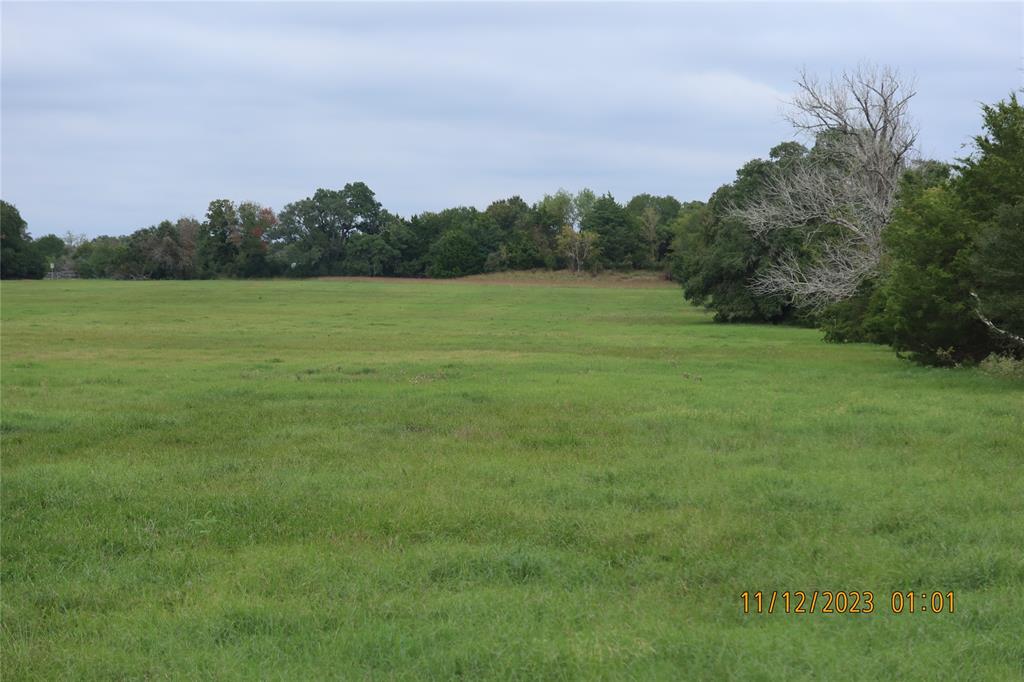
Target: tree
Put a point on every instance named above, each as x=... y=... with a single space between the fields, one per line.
x=991 y=186
x=581 y=207
x=579 y=247
x=312 y=232
x=997 y=265
x=520 y=246
x=255 y=223
x=19 y=256
x=841 y=199
x=189 y=236
x=956 y=287
x=654 y=216
x=220 y=238
x=715 y=256
x=370 y=255
x=455 y=254
x=101 y=257
x=157 y=252
x=615 y=232
x=930 y=282
x=52 y=248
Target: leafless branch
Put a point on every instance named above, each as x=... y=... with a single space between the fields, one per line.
x=841 y=198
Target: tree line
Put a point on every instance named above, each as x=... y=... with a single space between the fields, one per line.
x=849 y=233
x=348 y=232
x=855 y=237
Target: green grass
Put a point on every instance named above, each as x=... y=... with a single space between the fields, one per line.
x=421 y=480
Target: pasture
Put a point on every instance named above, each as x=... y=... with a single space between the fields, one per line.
x=487 y=479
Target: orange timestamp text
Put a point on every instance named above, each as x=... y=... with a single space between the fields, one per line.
x=842 y=601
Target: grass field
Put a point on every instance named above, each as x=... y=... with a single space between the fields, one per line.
x=356 y=479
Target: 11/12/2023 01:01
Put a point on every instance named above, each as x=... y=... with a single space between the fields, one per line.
x=852 y=602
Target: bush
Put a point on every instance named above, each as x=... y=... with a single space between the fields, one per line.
x=1003 y=367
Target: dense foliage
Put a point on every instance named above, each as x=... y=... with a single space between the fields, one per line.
x=19 y=256
x=954 y=288
x=348 y=232
x=715 y=256
x=950 y=288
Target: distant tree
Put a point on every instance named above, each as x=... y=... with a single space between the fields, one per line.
x=550 y=214
x=52 y=248
x=370 y=255
x=256 y=222
x=102 y=257
x=654 y=216
x=616 y=234
x=312 y=232
x=189 y=237
x=991 y=186
x=157 y=252
x=72 y=241
x=19 y=256
x=556 y=210
x=579 y=247
x=220 y=239
x=455 y=254
x=581 y=207
x=520 y=244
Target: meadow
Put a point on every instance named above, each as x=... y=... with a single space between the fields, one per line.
x=487 y=479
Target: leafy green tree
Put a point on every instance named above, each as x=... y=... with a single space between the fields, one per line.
x=954 y=289
x=220 y=238
x=102 y=257
x=370 y=255
x=617 y=237
x=997 y=265
x=520 y=245
x=653 y=217
x=929 y=285
x=993 y=176
x=455 y=254
x=256 y=222
x=19 y=256
x=312 y=232
x=157 y=252
x=52 y=248
x=582 y=205
x=716 y=256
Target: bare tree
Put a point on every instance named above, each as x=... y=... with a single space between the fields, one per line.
x=841 y=197
x=73 y=241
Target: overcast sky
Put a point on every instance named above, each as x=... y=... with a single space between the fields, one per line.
x=116 y=116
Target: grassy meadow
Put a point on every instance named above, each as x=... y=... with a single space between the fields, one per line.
x=487 y=479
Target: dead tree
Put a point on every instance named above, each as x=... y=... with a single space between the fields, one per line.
x=841 y=198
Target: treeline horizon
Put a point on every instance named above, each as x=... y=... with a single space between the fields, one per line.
x=347 y=232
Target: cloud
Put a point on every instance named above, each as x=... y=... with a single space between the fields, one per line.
x=115 y=116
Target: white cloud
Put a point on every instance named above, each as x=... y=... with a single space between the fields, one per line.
x=118 y=115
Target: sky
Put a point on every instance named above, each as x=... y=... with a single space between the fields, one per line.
x=116 y=116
